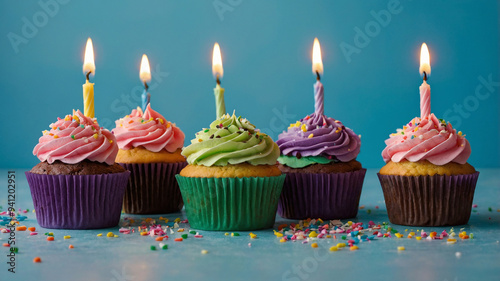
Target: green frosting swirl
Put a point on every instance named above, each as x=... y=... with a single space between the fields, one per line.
x=294 y=162
x=231 y=140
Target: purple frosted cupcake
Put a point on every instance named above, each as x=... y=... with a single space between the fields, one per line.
x=323 y=178
x=77 y=184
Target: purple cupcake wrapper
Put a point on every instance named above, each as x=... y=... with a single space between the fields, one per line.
x=438 y=200
x=325 y=196
x=152 y=188
x=77 y=201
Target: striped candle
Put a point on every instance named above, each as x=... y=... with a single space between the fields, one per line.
x=318 y=98
x=425 y=99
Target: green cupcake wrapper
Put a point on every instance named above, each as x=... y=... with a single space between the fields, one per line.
x=231 y=203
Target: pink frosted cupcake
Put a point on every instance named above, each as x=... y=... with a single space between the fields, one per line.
x=77 y=184
x=150 y=148
x=427 y=180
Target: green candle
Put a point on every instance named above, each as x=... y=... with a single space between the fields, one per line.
x=218 y=71
x=219 y=101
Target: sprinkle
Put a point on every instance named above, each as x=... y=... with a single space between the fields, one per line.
x=159 y=238
x=21 y=228
x=6 y=245
x=161 y=120
x=37 y=260
x=99 y=235
x=56 y=136
x=67 y=237
x=333 y=249
x=401 y=248
x=73 y=136
x=252 y=235
x=310 y=136
x=303 y=128
x=110 y=141
x=178 y=239
x=451 y=241
x=458 y=255
x=278 y=234
x=50 y=238
x=152 y=248
x=235 y=234
x=198 y=236
x=96 y=136
x=227 y=234
x=71 y=246
x=163 y=246
x=110 y=234
x=313 y=234
x=314 y=245
x=353 y=248
x=282 y=240
x=341 y=245
x=204 y=252
x=184 y=236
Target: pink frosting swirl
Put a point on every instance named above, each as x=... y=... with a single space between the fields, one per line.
x=149 y=130
x=427 y=139
x=74 y=139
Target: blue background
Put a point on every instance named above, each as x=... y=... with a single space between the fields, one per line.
x=266 y=48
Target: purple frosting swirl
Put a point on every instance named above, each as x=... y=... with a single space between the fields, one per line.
x=330 y=139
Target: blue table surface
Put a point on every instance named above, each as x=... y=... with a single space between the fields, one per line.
x=129 y=257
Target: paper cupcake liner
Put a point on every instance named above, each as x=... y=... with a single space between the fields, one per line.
x=326 y=196
x=231 y=203
x=437 y=200
x=152 y=188
x=77 y=201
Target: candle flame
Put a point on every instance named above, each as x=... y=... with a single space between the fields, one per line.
x=217 y=62
x=317 y=62
x=88 y=62
x=145 y=72
x=425 y=62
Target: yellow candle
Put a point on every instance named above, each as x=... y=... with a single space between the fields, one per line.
x=218 y=71
x=88 y=88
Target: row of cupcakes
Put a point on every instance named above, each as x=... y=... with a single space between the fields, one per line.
x=234 y=177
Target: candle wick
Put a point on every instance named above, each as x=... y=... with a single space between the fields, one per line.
x=146 y=87
x=87 y=75
x=425 y=76
x=317 y=76
x=217 y=79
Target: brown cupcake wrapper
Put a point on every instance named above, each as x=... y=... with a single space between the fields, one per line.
x=327 y=196
x=438 y=200
x=77 y=201
x=152 y=188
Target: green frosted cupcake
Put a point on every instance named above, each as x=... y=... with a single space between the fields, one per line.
x=232 y=181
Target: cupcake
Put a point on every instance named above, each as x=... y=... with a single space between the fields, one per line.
x=150 y=148
x=231 y=181
x=77 y=184
x=323 y=178
x=427 y=180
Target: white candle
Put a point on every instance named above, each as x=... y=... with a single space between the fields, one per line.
x=145 y=75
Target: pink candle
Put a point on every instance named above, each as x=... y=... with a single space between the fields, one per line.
x=425 y=99
x=318 y=98
x=425 y=89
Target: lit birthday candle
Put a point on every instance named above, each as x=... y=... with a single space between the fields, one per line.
x=88 y=88
x=317 y=68
x=145 y=75
x=425 y=89
x=218 y=71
